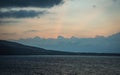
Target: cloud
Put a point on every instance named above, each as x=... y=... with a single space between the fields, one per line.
x=8 y=34
x=29 y=3
x=94 y=6
x=114 y=0
x=31 y=31
x=3 y=22
x=21 y=14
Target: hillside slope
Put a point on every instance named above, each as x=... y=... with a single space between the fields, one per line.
x=12 y=48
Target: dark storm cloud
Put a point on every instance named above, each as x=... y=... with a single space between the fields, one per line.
x=22 y=14
x=29 y=3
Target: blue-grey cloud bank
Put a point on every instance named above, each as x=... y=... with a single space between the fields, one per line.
x=21 y=14
x=29 y=3
x=98 y=44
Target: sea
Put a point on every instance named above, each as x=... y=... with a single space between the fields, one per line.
x=59 y=65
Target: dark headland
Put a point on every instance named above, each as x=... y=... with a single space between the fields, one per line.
x=13 y=48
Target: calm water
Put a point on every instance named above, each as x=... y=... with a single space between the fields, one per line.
x=59 y=65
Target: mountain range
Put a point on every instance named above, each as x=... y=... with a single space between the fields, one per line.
x=12 y=48
x=99 y=44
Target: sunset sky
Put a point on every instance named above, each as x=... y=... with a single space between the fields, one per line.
x=52 y=18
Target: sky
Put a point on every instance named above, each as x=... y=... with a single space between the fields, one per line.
x=53 y=18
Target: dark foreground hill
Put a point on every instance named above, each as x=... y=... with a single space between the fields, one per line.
x=12 y=48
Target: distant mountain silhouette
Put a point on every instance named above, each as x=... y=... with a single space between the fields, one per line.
x=12 y=48
x=99 y=44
